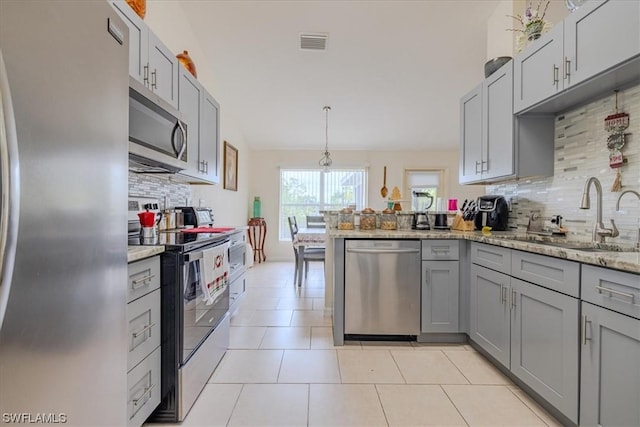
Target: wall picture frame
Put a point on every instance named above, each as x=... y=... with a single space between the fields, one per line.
x=230 y=180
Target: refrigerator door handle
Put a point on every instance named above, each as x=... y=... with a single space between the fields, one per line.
x=9 y=180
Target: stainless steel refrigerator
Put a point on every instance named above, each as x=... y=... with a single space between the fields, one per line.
x=64 y=89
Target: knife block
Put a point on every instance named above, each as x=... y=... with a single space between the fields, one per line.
x=462 y=225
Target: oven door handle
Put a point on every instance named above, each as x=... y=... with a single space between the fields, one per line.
x=194 y=256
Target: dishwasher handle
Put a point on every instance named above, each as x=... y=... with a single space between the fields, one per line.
x=384 y=251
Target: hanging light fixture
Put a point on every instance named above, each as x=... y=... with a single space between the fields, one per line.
x=326 y=161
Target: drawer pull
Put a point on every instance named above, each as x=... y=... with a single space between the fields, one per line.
x=584 y=331
x=440 y=249
x=142 y=281
x=143 y=330
x=147 y=390
x=613 y=291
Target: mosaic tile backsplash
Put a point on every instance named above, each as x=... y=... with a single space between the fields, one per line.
x=159 y=187
x=581 y=152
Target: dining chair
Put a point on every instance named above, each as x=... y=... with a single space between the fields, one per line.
x=310 y=254
x=315 y=221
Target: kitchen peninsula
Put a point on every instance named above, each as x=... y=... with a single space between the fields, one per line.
x=539 y=308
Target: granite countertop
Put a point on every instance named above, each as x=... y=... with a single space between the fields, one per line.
x=625 y=261
x=136 y=253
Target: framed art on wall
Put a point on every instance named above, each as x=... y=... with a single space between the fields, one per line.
x=230 y=167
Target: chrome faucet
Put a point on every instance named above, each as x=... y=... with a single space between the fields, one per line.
x=618 y=208
x=599 y=231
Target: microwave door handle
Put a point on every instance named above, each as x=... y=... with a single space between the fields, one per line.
x=179 y=152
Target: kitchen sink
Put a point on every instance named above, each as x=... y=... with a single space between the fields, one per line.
x=574 y=245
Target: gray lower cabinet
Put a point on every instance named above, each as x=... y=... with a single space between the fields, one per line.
x=529 y=329
x=440 y=284
x=544 y=344
x=610 y=368
x=143 y=359
x=489 y=320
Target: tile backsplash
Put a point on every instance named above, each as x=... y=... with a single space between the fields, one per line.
x=581 y=152
x=159 y=187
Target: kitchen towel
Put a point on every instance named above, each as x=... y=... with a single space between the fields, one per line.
x=215 y=271
x=207 y=230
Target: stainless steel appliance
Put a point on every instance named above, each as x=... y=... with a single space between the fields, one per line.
x=195 y=330
x=492 y=211
x=197 y=216
x=382 y=288
x=63 y=295
x=157 y=135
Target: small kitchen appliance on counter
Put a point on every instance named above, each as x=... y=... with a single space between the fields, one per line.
x=420 y=221
x=197 y=216
x=492 y=211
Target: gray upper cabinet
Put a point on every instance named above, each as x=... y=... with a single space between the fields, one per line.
x=471 y=136
x=600 y=35
x=494 y=144
x=598 y=47
x=190 y=93
x=150 y=61
x=610 y=374
x=210 y=139
x=538 y=70
x=201 y=113
x=487 y=129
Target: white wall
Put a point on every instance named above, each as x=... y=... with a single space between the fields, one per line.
x=265 y=175
x=168 y=22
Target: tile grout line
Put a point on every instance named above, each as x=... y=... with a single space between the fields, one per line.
x=395 y=362
x=527 y=405
x=454 y=404
x=458 y=368
x=375 y=387
x=235 y=404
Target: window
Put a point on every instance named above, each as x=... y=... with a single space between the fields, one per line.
x=424 y=187
x=308 y=191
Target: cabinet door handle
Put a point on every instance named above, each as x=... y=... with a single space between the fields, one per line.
x=503 y=294
x=584 y=330
x=477 y=163
x=567 y=68
x=482 y=169
x=145 y=75
x=614 y=292
x=513 y=298
x=146 y=391
x=556 y=71
x=143 y=330
x=142 y=280
x=154 y=79
x=427 y=276
x=206 y=167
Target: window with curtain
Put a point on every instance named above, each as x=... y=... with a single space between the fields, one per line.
x=309 y=191
x=424 y=187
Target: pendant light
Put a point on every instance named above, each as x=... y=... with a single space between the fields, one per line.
x=326 y=161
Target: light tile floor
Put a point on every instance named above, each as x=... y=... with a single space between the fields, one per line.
x=282 y=369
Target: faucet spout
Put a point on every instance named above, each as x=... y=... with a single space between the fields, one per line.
x=623 y=193
x=586 y=202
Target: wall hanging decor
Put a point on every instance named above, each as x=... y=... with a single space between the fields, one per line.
x=616 y=124
x=230 y=167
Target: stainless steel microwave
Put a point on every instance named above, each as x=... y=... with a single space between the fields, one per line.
x=157 y=135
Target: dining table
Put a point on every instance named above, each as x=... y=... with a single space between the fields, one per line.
x=308 y=237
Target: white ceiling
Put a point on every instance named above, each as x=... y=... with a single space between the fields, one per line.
x=393 y=71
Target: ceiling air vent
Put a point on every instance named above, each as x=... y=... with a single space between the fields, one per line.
x=313 y=41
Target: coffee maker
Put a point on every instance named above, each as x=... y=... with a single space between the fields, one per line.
x=492 y=211
x=420 y=221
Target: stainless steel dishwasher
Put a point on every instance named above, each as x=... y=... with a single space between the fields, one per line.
x=382 y=287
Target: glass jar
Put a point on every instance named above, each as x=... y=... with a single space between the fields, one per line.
x=346 y=220
x=368 y=219
x=388 y=220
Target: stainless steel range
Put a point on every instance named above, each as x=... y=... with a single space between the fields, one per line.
x=195 y=311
